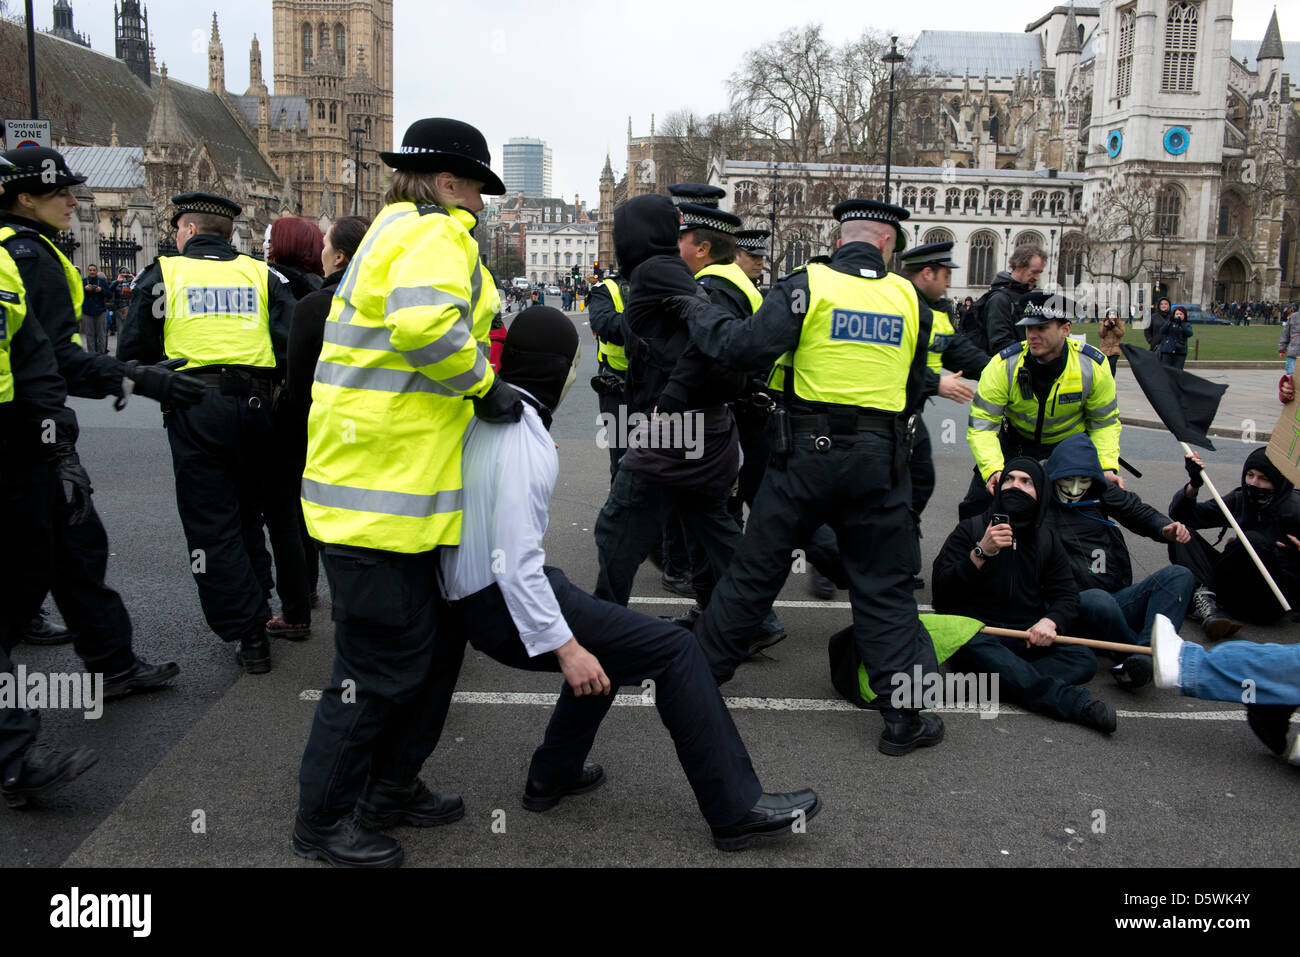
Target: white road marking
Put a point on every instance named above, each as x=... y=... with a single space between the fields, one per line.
x=779 y=603
x=634 y=699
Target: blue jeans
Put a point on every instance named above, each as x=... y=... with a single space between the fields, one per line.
x=1290 y=364
x=1219 y=674
x=1126 y=615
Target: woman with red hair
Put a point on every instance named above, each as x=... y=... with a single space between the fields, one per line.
x=294 y=250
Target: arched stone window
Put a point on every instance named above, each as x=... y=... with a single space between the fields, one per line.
x=937 y=235
x=340 y=45
x=909 y=197
x=1057 y=203
x=1014 y=199
x=306 y=45
x=1169 y=209
x=997 y=199
x=971 y=201
x=928 y=196
x=1028 y=237
x=1124 y=51
x=1178 y=74
x=1069 y=271
x=320 y=111
x=1038 y=202
x=983 y=254
x=951 y=200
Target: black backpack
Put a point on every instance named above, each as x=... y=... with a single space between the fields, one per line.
x=973 y=326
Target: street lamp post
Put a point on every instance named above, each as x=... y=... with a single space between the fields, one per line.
x=357 y=132
x=771 y=256
x=892 y=57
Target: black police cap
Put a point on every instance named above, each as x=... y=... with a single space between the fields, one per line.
x=695 y=216
x=37 y=170
x=851 y=209
x=1038 y=307
x=700 y=194
x=441 y=145
x=931 y=254
x=753 y=241
x=209 y=204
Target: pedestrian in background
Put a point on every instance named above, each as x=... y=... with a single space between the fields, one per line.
x=94 y=309
x=1173 y=339
x=1112 y=331
x=1288 y=346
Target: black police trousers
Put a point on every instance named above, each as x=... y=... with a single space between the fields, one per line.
x=653 y=656
x=27 y=492
x=221 y=457
x=395 y=668
x=849 y=487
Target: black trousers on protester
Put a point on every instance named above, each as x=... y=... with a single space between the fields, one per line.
x=221 y=456
x=282 y=514
x=27 y=493
x=1045 y=680
x=851 y=488
x=632 y=648
x=633 y=518
x=1233 y=577
x=609 y=405
x=395 y=668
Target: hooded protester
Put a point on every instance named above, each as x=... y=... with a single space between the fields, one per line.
x=1085 y=514
x=1267 y=507
x=512 y=607
x=1005 y=569
x=683 y=447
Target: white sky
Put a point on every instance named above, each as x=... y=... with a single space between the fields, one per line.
x=570 y=73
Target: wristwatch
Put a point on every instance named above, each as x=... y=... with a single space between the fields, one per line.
x=979 y=552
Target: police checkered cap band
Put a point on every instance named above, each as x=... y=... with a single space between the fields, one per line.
x=869 y=214
x=697 y=200
x=694 y=220
x=1053 y=308
x=211 y=209
x=753 y=244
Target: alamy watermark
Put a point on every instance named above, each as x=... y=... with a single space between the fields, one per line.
x=660 y=430
x=954 y=689
x=74 y=691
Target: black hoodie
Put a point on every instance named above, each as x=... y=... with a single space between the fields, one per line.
x=1017 y=586
x=665 y=368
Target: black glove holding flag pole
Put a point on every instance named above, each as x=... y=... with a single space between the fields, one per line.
x=162 y=383
x=75 y=482
x=1194 y=472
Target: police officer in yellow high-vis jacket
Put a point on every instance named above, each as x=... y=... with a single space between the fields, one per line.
x=382 y=492
x=227 y=315
x=852 y=340
x=1035 y=394
x=605 y=315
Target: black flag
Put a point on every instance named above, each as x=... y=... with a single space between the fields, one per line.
x=1184 y=402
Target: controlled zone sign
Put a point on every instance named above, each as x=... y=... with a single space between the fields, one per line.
x=19 y=133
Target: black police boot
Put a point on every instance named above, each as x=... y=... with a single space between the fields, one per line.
x=254 y=653
x=907 y=729
x=1271 y=723
x=43 y=772
x=388 y=804
x=41 y=631
x=141 y=676
x=538 y=798
x=345 y=843
x=773 y=815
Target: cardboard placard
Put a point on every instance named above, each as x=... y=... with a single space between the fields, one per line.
x=1284 y=446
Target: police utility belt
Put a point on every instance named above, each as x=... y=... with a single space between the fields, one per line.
x=257 y=385
x=789 y=430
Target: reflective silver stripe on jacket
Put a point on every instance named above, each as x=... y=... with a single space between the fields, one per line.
x=379 y=380
x=404 y=504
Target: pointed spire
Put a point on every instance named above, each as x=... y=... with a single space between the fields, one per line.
x=216 y=32
x=1271 y=48
x=165 y=125
x=1070 y=35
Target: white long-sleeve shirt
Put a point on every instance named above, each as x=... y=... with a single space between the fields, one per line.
x=507 y=475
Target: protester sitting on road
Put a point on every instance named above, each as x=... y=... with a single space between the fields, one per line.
x=510 y=606
x=1085 y=514
x=1267 y=507
x=1004 y=569
x=1264 y=677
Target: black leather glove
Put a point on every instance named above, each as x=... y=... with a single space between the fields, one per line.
x=163 y=384
x=686 y=306
x=500 y=404
x=668 y=404
x=75 y=482
x=1194 y=472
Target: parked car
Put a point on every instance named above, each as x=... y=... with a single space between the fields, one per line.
x=521 y=282
x=1195 y=314
x=553 y=290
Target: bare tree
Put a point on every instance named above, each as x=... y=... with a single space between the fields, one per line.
x=784 y=90
x=693 y=141
x=1121 y=220
x=860 y=104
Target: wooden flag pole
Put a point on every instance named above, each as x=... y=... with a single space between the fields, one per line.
x=1065 y=640
x=1241 y=536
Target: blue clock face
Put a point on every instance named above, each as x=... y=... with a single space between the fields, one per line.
x=1177 y=139
x=1114 y=143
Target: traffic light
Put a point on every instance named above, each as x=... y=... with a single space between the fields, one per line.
x=575 y=272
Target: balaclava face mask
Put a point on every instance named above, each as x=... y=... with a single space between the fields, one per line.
x=1072 y=488
x=540 y=355
x=1022 y=508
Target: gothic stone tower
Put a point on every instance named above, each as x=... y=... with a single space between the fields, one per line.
x=1158 y=109
x=338 y=54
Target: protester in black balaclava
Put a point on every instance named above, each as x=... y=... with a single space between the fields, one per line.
x=1267 y=507
x=1004 y=569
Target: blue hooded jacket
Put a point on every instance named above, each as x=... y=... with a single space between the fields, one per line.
x=1098 y=555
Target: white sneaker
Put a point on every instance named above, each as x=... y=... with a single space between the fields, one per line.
x=1293 y=749
x=1166 y=650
